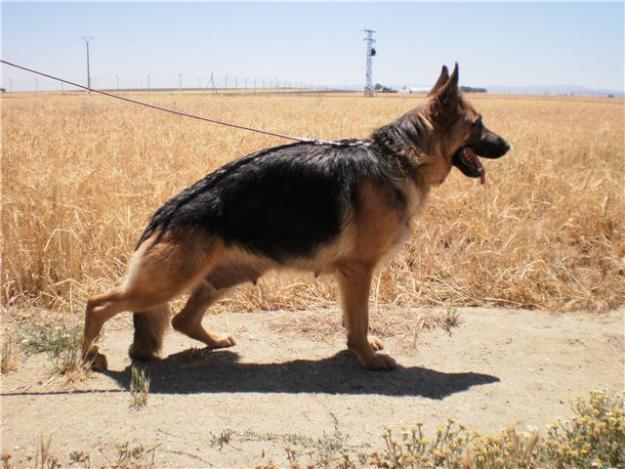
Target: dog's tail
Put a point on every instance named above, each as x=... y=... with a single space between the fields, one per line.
x=150 y=328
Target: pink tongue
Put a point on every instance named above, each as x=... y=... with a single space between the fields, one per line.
x=470 y=154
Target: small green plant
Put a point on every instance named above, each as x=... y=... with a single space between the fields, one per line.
x=51 y=340
x=80 y=458
x=8 y=359
x=221 y=439
x=134 y=457
x=139 y=387
x=61 y=343
x=451 y=319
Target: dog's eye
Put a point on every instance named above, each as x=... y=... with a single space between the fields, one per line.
x=477 y=123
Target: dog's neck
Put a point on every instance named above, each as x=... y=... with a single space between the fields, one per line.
x=408 y=138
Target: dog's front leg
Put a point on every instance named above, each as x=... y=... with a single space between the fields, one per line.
x=354 y=280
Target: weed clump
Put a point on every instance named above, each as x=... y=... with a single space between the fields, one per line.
x=61 y=343
x=139 y=387
x=593 y=437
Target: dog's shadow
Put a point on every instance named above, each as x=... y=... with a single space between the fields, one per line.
x=199 y=371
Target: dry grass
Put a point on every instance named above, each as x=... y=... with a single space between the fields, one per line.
x=82 y=174
x=8 y=358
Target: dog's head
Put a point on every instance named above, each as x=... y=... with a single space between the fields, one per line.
x=458 y=136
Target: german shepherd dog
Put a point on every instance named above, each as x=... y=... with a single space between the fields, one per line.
x=325 y=207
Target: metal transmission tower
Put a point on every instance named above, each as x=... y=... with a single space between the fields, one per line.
x=87 y=39
x=370 y=53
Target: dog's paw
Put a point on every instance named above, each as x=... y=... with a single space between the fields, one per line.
x=379 y=362
x=223 y=342
x=138 y=351
x=94 y=360
x=376 y=344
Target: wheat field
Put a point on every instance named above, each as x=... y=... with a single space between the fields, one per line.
x=81 y=174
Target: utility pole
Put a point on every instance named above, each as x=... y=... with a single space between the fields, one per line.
x=180 y=82
x=87 y=39
x=226 y=81
x=370 y=53
x=117 y=80
x=236 y=83
x=149 y=87
x=199 y=83
x=213 y=82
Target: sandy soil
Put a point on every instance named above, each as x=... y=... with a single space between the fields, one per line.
x=288 y=379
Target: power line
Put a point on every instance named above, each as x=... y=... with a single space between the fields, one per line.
x=154 y=106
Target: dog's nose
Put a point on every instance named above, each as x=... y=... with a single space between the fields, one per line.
x=506 y=147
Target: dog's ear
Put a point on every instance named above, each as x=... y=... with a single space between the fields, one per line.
x=446 y=98
x=442 y=79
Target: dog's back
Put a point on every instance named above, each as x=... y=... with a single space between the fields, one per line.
x=282 y=203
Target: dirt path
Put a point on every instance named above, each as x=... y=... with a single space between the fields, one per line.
x=287 y=379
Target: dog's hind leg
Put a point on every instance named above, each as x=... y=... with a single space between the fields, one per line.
x=158 y=273
x=189 y=319
x=354 y=280
x=150 y=327
x=102 y=308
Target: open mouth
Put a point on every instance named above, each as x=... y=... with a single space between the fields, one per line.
x=467 y=161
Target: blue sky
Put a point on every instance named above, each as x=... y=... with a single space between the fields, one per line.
x=502 y=44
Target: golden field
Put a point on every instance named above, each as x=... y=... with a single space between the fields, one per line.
x=81 y=174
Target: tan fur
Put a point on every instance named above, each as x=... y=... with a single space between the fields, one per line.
x=189 y=319
x=160 y=269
